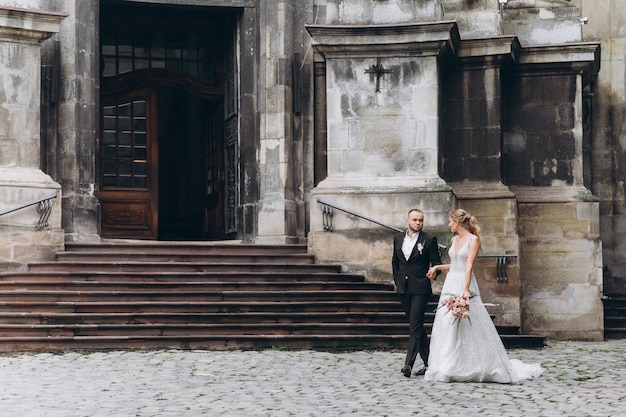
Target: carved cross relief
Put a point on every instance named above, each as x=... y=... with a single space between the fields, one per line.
x=378 y=70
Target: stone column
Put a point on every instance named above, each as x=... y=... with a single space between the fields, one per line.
x=382 y=108
x=277 y=208
x=559 y=223
x=472 y=156
x=21 y=180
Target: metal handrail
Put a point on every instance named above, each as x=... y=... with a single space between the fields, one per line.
x=44 y=208
x=327 y=212
x=327 y=222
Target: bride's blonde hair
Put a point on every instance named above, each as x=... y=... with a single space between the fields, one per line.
x=466 y=220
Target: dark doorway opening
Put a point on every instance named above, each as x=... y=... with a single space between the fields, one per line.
x=161 y=148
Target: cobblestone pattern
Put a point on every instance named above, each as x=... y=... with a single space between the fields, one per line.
x=580 y=379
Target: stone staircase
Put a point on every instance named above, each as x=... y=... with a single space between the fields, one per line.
x=615 y=316
x=200 y=296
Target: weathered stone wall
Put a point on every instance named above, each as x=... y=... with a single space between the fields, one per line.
x=540 y=139
x=472 y=123
x=277 y=208
x=24 y=232
x=500 y=285
x=541 y=22
x=607 y=24
x=489 y=88
x=382 y=138
x=380 y=148
x=561 y=273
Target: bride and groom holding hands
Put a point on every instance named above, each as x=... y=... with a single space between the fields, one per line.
x=459 y=350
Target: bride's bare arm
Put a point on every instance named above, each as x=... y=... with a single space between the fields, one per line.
x=432 y=272
x=474 y=247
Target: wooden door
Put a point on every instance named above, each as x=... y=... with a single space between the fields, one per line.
x=129 y=165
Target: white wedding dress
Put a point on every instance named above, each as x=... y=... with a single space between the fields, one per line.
x=467 y=350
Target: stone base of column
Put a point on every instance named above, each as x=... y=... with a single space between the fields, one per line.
x=498 y=266
x=561 y=265
x=353 y=222
x=22 y=237
x=277 y=222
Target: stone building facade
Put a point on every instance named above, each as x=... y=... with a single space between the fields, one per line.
x=250 y=119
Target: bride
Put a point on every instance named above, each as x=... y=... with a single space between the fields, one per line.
x=468 y=349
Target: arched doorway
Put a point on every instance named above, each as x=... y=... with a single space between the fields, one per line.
x=162 y=161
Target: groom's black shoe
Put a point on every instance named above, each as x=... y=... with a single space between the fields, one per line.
x=406 y=370
x=420 y=372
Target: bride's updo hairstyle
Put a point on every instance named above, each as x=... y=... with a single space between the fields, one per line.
x=466 y=220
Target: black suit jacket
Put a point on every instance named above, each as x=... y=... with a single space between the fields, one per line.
x=410 y=275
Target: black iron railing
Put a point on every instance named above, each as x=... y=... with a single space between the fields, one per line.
x=44 y=208
x=327 y=222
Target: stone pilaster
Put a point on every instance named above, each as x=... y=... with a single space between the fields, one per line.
x=21 y=180
x=472 y=156
x=561 y=251
x=277 y=208
x=382 y=108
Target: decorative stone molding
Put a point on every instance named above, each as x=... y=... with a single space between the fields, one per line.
x=22 y=182
x=403 y=40
x=28 y=26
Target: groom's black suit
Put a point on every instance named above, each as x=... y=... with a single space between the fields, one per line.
x=414 y=289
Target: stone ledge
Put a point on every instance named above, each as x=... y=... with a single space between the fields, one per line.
x=28 y=26
x=553 y=194
x=481 y=190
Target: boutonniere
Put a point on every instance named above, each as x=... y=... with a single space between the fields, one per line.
x=420 y=248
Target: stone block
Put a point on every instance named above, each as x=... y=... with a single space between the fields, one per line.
x=360 y=244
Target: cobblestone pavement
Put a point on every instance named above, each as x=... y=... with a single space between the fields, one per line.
x=580 y=379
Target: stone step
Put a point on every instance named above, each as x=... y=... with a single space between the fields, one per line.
x=133 y=295
x=178 y=267
x=178 y=329
x=205 y=296
x=49 y=317
x=221 y=258
x=615 y=316
x=174 y=276
x=160 y=247
x=615 y=333
x=240 y=341
x=95 y=324
x=231 y=307
x=204 y=329
x=195 y=286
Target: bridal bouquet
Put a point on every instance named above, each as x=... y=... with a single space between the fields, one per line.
x=457 y=305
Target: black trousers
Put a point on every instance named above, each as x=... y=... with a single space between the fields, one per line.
x=414 y=306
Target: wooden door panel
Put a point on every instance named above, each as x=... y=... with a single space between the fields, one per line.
x=129 y=165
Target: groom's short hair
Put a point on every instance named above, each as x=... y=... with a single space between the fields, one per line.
x=414 y=209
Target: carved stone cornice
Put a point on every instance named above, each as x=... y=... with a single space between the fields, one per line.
x=398 y=40
x=28 y=26
x=570 y=57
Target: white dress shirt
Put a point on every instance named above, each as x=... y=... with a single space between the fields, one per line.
x=409 y=243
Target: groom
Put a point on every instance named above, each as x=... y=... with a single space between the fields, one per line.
x=414 y=251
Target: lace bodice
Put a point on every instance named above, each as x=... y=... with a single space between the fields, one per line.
x=458 y=260
x=455 y=278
